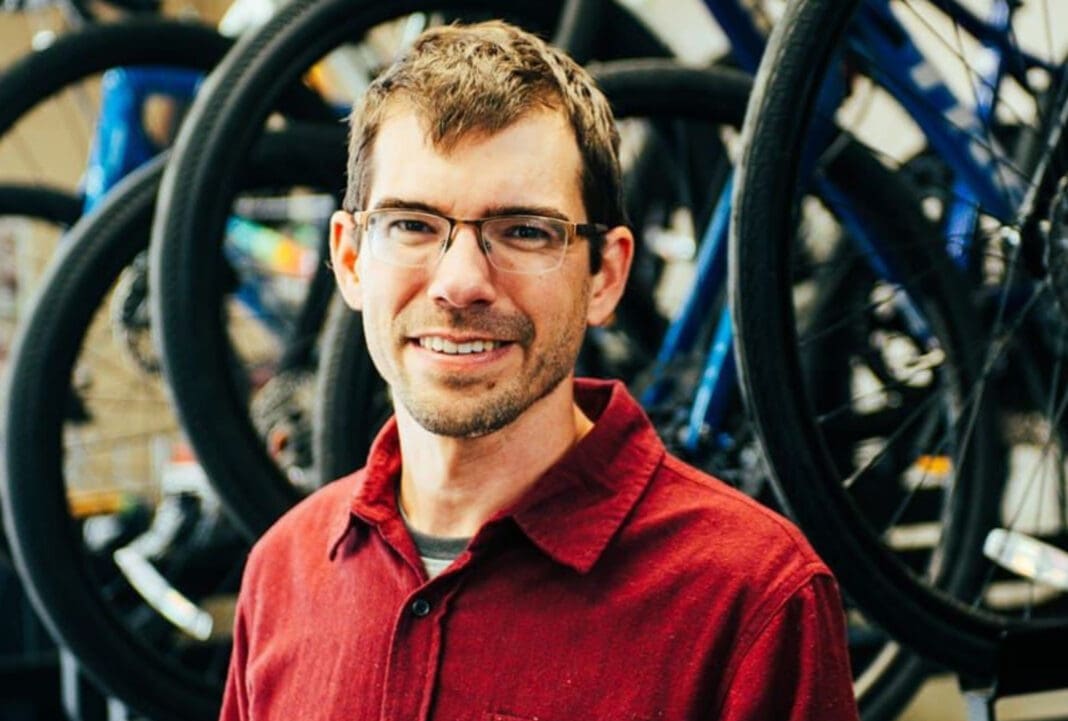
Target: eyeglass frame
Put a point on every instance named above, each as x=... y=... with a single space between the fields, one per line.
x=582 y=230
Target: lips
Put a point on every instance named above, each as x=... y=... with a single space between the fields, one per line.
x=465 y=332
x=450 y=347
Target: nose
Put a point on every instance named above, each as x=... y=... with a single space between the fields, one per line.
x=463 y=275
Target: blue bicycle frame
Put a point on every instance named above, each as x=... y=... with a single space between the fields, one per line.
x=121 y=144
x=711 y=400
x=959 y=134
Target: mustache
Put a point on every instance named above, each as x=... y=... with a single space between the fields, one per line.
x=483 y=321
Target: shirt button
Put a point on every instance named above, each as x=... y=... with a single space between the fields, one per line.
x=420 y=607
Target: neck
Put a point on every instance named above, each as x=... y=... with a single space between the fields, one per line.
x=451 y=486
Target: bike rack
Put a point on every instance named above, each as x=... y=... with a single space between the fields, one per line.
x=1027 y=663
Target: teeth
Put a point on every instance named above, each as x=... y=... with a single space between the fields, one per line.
x=443 y=345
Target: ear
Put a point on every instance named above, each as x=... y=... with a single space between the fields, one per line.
x=608 y=283
x=344 y=253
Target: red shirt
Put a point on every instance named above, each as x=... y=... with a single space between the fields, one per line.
x=625 y=586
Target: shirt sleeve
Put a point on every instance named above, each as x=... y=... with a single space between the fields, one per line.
x=797 y=668
x=235 y=695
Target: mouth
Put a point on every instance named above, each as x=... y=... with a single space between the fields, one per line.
x=447 y=346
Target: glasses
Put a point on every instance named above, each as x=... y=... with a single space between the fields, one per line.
x=512 y=243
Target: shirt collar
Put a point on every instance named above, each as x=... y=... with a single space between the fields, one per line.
x=574 y=509
x=374 y=496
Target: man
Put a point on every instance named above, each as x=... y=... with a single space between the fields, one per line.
x=519 y=545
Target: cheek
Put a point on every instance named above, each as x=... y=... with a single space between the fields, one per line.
x=558 y=307
x=377 y=326
x=373 y=335
x=386 y=294
x=379 y=336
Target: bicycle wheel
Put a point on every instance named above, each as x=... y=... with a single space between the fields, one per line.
x=58 y=86
x=28 y=206
x=48 y=204
x=817 y=88
x=96 y=48
x=221 y=126
x=351 y=401
x=41 y=213
x=82 y=601
x=887 y=677
x=125 y=554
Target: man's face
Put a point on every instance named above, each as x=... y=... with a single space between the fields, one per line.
x=521 y=333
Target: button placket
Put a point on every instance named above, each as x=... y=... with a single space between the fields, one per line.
x=413 y=660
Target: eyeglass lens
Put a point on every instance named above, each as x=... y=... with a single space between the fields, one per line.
x=519 y=243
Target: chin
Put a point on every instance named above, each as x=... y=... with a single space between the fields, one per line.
x=472 y=417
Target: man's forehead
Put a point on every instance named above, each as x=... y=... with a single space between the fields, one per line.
x=401 y=114
x=536 y=152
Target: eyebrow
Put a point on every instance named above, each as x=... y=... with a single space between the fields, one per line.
x=491 y=212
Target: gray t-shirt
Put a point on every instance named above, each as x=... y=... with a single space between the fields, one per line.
x=437 y=552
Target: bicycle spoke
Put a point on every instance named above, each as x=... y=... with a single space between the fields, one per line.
x=25 y=151
x=1054 y=423
x=159 y=402
x=896 y=164
x=975 y=79
x=957 y=49
x=843 y=320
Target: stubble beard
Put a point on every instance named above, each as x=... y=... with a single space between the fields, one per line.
x=491 y=405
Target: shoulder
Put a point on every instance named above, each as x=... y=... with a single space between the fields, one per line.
x=303 y=536
x=729 y=508
x=704 y=549
x=716 y=533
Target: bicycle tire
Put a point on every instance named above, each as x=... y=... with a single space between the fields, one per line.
x=50 y=205
x=136 y=41
x=576 y=33
x=48 y=551
x=41 y=202
x=346 y=380
x=95 y=48
x=648 y=88
x=220 y=127
x=34 y=499
x=933 y=621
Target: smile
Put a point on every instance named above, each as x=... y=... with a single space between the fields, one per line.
x=444 y=345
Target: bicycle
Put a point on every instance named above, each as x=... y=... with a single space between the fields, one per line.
x=219 y=135
x=133 y=675
x=139 y=601
x=997 y=199
x=215 y=400
x=148 y=52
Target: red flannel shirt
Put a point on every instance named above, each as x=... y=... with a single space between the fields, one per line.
x=625 y=586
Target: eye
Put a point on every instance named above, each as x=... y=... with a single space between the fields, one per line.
x=410 y=225
x=526 y=233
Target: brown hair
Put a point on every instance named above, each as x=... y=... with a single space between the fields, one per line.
x=482 y=78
